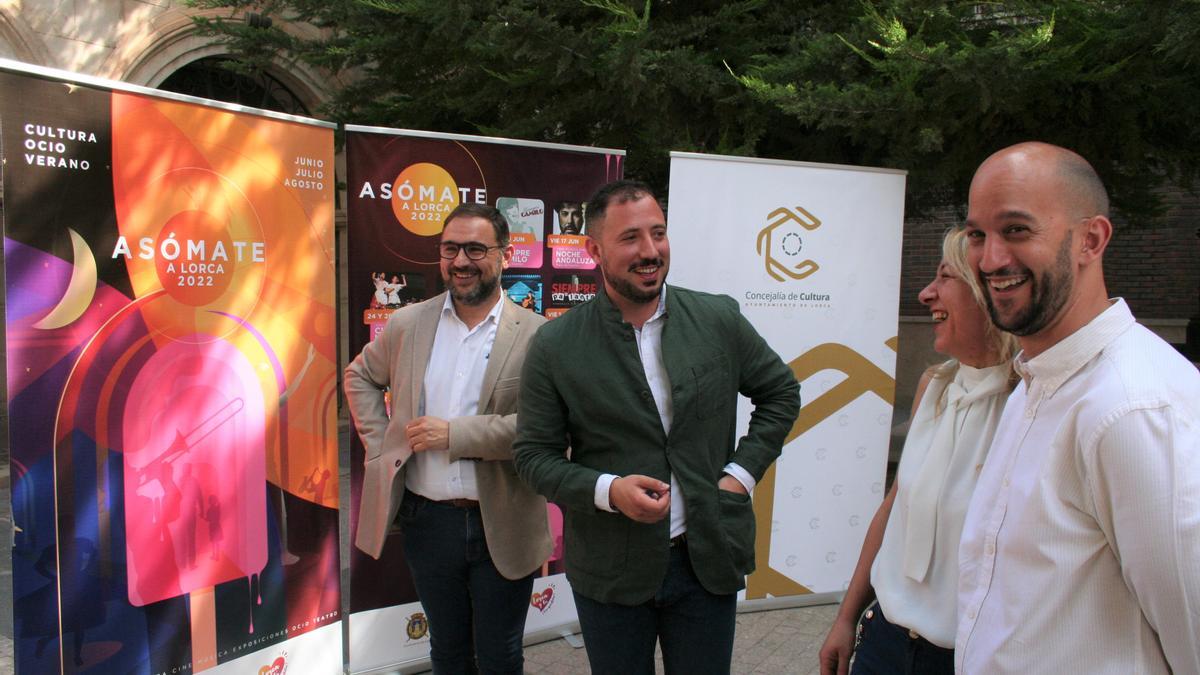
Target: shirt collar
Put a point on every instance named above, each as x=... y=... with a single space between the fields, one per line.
x=1057 y=364
x=493 y=315
x=661 y=310
x=610 y=310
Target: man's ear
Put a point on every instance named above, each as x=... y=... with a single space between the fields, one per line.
x=1097 y=231
x=593 y=248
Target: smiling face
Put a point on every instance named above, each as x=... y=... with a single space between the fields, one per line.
x=473 y=282
x=959 y=323
x=1022 y=242
x=1025 y=302
x=632 y=251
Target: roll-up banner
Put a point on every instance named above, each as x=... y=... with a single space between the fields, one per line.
x=171 y=381
x=812 y=254
x=400 y=186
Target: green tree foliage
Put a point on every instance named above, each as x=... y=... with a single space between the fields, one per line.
x=929 y=87
x=648 y=77
x=933 y=87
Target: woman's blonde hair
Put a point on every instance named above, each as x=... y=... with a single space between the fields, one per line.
x=1004 y=345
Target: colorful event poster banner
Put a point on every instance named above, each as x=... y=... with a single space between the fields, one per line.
x=812 y=254
x=171 y=383
x=401 y=184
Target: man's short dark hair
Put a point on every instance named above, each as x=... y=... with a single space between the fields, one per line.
x=488 y=213
x=618 y=191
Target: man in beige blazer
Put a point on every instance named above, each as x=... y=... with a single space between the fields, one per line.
x=441 y=467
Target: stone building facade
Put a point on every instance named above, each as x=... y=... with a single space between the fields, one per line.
x=142 y=42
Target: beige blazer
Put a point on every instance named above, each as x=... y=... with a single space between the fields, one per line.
x=514 y=516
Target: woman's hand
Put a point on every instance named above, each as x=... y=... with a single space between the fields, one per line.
x=839 y=645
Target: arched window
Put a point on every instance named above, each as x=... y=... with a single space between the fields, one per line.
x=210 y=78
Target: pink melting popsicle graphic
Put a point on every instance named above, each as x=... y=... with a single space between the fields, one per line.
x=195 y=485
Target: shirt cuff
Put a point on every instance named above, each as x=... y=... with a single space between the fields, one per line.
x=743 y=476
x=601 y=497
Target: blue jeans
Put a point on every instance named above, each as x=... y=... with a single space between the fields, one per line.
x=694 y=627
x=887 y=649
x=476 y=616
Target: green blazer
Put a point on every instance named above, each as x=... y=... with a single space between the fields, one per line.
x=583 y=388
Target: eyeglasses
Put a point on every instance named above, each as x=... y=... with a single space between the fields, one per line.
x=449 y=250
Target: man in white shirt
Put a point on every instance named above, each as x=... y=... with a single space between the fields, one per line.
x=441 y=467
x=1081 y=547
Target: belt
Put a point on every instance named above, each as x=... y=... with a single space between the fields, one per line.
x=456 y=503
x=680 y=540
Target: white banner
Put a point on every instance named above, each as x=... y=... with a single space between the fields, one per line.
x=812 y=254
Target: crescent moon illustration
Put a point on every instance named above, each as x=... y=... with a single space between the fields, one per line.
x=80 y=290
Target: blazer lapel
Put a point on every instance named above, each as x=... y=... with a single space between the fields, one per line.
x=675 y=352
x=422 y=348
x=506 y=336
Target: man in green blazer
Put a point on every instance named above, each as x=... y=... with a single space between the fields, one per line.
x=440 y=467
x=627 y=420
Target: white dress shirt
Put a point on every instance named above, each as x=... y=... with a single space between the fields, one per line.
x=1081 y=547
x=453 y=382
x=649 y=344
x=915 y=573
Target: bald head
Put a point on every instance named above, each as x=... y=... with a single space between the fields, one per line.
x=1076 y=182
x=1037 y=224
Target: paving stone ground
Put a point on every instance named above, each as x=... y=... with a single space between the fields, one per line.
x=778 y=642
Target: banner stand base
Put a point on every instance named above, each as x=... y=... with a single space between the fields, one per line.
x=789 y=601
x=567 y=631
x=573 y=639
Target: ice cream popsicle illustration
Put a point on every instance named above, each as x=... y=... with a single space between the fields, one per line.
x=194 y=457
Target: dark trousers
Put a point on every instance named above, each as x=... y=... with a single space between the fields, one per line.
x=694 y=627
x=476 y=616
x=887 y=649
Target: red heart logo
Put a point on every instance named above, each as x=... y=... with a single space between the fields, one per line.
x=542 y=600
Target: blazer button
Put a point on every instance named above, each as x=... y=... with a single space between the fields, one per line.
x=397 y=464
x=646 y=395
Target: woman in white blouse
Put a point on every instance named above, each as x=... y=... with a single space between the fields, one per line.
x=909 y=559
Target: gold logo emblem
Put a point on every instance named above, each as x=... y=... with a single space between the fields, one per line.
x=782 y=239
x=417 y=626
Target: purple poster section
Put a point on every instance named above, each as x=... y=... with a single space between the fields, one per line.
x=400 y=186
